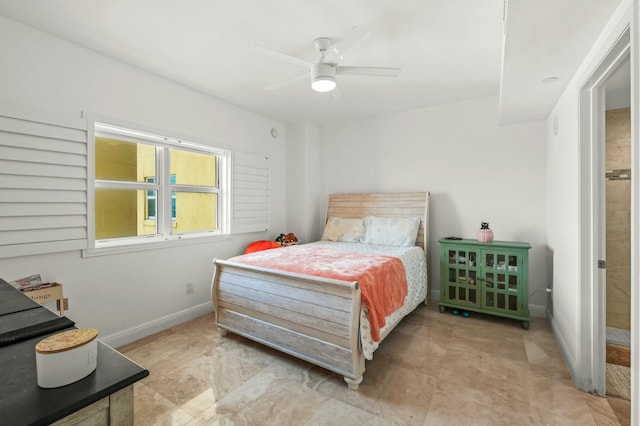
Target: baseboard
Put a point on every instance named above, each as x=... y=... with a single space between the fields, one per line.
x=538 y=311
x=571 y=363
x=435 y=296
x=152 y=327
x=534 y=310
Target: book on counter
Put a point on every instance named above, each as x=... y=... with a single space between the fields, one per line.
x=30 y=283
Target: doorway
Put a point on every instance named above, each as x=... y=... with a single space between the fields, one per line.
x=593 y=226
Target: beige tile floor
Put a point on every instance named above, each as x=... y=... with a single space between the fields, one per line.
x=434 y=369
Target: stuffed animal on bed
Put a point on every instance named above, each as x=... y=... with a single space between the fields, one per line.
x=290 y=238
x=287 y=239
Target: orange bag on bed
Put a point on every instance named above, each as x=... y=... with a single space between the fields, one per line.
x=261 y=245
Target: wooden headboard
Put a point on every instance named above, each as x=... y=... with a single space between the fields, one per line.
x=385 y=204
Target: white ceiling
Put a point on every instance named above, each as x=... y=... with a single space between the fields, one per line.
x=546 y=39
x=449 y=50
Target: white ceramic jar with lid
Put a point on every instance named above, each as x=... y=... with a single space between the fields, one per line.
x=66 y=357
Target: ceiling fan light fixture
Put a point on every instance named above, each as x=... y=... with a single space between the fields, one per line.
x=323 y=84
x=323 y=73
x=323 y=77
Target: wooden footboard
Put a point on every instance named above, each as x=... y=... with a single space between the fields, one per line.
x=312 y=318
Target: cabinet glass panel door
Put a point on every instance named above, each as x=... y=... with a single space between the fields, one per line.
x=462 y=277
x=501 y=285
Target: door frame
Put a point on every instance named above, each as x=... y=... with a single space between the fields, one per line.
x=592 y=245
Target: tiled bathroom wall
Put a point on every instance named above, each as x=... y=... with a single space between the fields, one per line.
x=618 y=210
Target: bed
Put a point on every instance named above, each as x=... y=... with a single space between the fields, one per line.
x=324 y=320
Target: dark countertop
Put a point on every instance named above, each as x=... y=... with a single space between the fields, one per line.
x=22 y=401
x=12 y=300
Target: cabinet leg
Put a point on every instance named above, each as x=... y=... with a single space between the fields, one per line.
x=442 y=309
x=525 y=325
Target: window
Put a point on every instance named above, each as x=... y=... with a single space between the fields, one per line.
x=152 y=188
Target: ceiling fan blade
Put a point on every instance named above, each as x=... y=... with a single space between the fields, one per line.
x=281 y=56
x=372 y=71
x=335 y=94
x=287 y=82
x=335 y=53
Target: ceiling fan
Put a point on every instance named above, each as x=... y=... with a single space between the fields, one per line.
x=323 y=73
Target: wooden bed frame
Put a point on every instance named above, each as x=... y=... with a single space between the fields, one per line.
x=315 y=319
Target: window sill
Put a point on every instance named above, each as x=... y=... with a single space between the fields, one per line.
x=153 y=245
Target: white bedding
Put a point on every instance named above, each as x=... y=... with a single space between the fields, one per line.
x=413 y=259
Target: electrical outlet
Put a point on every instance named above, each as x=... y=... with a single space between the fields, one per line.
x=190 y=288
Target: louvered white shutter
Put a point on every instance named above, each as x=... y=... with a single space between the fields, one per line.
x=250 y=189
x=43 y=183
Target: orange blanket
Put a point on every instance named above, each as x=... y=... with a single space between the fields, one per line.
x=382 y=279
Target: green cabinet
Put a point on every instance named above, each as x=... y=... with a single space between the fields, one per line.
x=491 y=278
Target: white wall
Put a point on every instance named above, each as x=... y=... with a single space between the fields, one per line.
x=564 y=211
x=126 y=296
x=475 y=170
x=563 y=227
x=305 y=210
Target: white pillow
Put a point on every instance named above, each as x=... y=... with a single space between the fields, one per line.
x=343 y=229
x=391 y=231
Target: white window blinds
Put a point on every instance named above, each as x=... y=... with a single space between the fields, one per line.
x=43 y=183
x=250 y=193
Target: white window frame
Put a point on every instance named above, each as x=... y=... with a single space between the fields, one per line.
x=155 y=199
x=164 y=236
